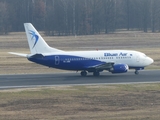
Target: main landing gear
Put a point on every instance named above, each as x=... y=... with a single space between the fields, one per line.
x=95 y=73
x=83 y=73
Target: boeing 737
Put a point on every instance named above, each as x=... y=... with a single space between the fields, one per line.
x=114 y=61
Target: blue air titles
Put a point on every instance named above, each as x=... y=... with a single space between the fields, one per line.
x=115 y=54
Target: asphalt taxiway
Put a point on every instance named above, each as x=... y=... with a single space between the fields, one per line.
x=58 y=79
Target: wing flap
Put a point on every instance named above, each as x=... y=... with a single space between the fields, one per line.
x=103 y=66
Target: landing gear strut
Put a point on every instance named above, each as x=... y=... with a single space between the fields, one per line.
x=96 y=73
x=83 y=73
x=136 y=72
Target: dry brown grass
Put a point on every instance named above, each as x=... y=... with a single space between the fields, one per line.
x=118 y=102
x=148 y=43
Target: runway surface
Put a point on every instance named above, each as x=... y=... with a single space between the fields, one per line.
x=37 y=80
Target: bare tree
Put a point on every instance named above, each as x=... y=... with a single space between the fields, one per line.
x=4 y=18
x=80 y=17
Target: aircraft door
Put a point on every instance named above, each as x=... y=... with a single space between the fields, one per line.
x=137 y=59
x=56 y=60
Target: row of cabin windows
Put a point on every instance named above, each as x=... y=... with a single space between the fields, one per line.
x=96 y=58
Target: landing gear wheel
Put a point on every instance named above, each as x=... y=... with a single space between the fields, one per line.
x=96 y=73
x=136 y=72
x=84 y=73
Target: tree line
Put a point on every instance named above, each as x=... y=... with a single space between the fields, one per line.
x=80 y=17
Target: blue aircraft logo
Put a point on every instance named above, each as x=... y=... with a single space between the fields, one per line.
x=34 y=36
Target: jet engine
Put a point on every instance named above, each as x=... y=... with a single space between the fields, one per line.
x=119 y=68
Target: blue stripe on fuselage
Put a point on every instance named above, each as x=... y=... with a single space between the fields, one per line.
x=66 y=62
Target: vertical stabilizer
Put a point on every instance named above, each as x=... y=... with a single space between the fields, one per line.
x=36 y=42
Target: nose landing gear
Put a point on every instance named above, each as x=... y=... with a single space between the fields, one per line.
x=136 y=72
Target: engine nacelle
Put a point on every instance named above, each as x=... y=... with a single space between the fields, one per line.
x=119 y=68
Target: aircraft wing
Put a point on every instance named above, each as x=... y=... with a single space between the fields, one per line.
x=103 y=66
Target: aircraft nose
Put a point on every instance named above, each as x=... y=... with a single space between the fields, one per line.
x=150 y=60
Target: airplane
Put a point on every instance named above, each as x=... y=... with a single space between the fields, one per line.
x=114 y=61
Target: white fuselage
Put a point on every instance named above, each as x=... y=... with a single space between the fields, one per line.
x=131 y=58
x=115 y=61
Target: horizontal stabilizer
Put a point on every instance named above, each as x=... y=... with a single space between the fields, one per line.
x=19 y=54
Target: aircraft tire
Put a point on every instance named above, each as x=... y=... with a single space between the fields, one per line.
x=96 y=73
x=136 y=72
x=83 y=73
